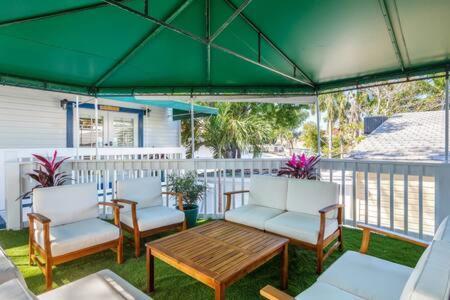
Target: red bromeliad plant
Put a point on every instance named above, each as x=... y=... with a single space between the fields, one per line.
x=47 y=173
x=301 y=167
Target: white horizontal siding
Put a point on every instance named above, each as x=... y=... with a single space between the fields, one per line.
x=160 y=130
x=31 y=119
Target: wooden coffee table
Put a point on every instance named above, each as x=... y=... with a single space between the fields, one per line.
x=217 y=254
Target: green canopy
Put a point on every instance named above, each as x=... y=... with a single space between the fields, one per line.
x=180 y=110
x=201 y=47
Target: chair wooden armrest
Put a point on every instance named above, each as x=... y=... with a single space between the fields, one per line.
x=323 y=219
x=38 y=217
x=330 y=208
x=116 y=207
x=124 y=201
x=368 y=229
x=271 y=293
x=179 y=198
x=228 y=197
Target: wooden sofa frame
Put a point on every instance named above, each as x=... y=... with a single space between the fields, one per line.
x=322 y=242
x=271 y=293
x=48 y=260
x=137 y=234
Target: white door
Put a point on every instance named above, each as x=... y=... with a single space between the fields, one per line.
x=115 y=129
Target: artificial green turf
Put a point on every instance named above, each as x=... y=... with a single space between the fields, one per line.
x=172 y=284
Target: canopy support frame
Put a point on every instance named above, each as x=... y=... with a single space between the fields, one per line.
x=208 y=33
x=390 y=29
x=142 y=42
x=233 y=16
x=271 y=44
x=446 y=116
x=204 y=41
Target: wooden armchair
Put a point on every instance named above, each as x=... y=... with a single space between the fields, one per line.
x=144 y=214
x=64 y=227
x=383 y=271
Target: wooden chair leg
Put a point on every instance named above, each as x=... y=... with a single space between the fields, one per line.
x=319 y=254
x=341 y=240
x=120 y=250
x=48 y=274
x=31 y=254
x=137 y=244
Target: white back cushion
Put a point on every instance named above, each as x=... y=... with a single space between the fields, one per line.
x=67 y=204
x=309 y=196
x=145 y=191
x=269 y=191
x=430 y=279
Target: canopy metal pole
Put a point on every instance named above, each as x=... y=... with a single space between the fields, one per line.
x=446 y=117
x=96 y=127
x=319 y=149
x=77 y=126
x=192 y=129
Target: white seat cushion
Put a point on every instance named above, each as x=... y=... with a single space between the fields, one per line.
x=310 y=196
x=430 y=279
x=153 y=217
x=252 y=215
x=8 y=270
x=101 y=285
x=66 y=204
x=269 y=191
x=79 y=235
x=145 y=191
x=320 y=290
x=443 y=231
x=300 y=226
x=15 y=289
x=366 y=276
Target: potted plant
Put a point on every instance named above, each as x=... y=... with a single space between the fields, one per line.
x=192 y=191
x=301 y=167
x=47 y=174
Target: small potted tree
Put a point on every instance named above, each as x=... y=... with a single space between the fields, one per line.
x=192 y=191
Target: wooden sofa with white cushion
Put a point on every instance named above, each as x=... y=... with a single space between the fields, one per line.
x=144 y=214
x=101 y=285
x=305 y=211
x=65 y=226
x=359 y=276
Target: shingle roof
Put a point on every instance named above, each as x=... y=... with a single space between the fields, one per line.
x=408 y=136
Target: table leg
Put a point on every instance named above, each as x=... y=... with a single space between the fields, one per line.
x=150 y=271
x=284 y=267
x=220 y=292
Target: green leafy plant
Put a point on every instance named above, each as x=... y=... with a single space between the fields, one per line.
x=187 y=184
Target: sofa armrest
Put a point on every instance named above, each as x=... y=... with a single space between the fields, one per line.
x=38 y=217
x=271 y=293
x=368 y=229
x=116 y=208
x=228 y=197
x=330 y=208
x=179 y=198
x=323 y=212
x=124 y=201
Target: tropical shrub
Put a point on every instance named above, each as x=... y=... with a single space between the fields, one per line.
x=301 y=167
x=187 y=184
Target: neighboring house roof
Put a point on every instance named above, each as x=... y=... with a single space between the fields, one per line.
x=408 y=136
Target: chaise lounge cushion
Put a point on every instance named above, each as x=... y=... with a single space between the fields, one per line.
x=300 y=226
x=321 y=290
x=268 y=191
x=367 y=277
x=8 y=270
x=430 y=279
x=101 y=285
x=443 y=231
x=15 y=289
x=66 y=204
x=252 y=215
x=153 y=217
x=145 y=191
x=79 y=235
x=310 y=196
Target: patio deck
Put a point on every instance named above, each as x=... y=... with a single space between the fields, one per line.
x=172 y=284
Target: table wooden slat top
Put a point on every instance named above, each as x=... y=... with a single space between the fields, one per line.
x=218 y=250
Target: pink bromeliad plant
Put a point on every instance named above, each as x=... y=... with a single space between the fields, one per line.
x=301 y=167
x=47 y=174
